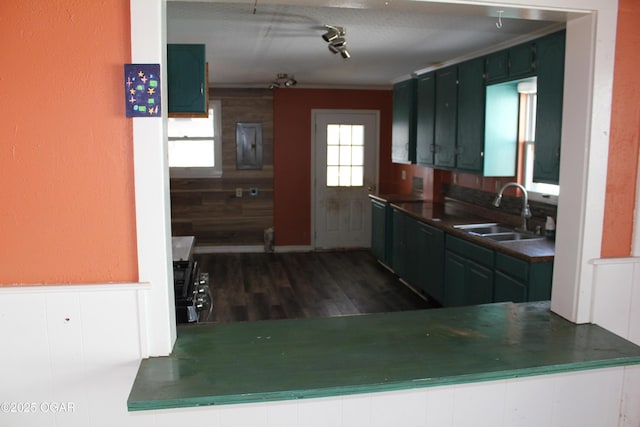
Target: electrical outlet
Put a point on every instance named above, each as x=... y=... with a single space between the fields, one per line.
x=238 y=192
x=404 y=175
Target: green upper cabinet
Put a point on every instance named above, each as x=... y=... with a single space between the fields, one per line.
x=550 y=72
x=446 y=117
x=501 y=128
x=403 y=146
x=187 y=78
x=470 y=121
x=522 y=61
x=425 y=112
x=497 y=66
x=513 y=63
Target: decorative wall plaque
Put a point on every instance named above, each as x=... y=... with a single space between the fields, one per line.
x=142 y=90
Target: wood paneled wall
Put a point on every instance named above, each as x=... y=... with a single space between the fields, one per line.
x=208 y=208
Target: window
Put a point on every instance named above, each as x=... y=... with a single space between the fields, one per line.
x=195 y=145
x=537 y=190
x=345 y=155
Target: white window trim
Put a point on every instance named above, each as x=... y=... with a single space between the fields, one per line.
x=216 y=170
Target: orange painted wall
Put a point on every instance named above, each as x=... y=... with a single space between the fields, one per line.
x=625 y=135
x=67 y=211
x=292 y=151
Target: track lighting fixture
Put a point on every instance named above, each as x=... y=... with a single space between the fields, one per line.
x=337 y=43
x=283 y=79
x=333 y=33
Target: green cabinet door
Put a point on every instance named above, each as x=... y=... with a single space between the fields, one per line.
x=446 y=116
x=497 y=66
x=468 y=272
x=454 y=284
x=186 y=78
x=425 y=119
x=466 y=282
x=403 y=138
x=478 y=284
x=550 y=72
x=400 y=261
x=508 y=288
x=509 y=64
x=470 y=121
x=418 y=254
x=518 y=280
x=522 y=61
x=430 y=261
x=379 y=230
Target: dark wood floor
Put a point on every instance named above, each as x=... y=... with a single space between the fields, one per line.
x=250 y=287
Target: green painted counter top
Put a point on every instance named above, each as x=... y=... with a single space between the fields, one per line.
x=216 y=364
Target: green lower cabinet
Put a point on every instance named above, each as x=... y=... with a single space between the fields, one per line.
x=426 y=245
x=519 y=281
x=400 y=259
x=380 y=231
x=451 y=270
x=466 y=282
x=468 y=273
x=509 y=289
x=418 y=252
x=474 y=274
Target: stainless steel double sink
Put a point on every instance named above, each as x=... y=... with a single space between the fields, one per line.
x=497 y=232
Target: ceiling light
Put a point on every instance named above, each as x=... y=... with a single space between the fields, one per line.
x=337 y=43
x=282 y=79
x=333 y=33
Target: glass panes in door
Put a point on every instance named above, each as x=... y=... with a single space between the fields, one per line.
x=345 y=155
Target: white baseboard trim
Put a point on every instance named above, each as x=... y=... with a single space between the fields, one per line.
x=294 y=248
x=82 y=287
x=247 y=249
x=228 y=249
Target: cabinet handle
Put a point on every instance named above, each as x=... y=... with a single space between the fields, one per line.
x=201 y=88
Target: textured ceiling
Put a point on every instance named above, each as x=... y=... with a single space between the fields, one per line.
x=387 y=41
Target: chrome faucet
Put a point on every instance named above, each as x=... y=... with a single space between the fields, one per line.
x=526 y=213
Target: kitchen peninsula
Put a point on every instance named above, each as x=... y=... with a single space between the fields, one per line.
x=218 y=364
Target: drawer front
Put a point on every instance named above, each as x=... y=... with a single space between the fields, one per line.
x=514 y=267
x=469 y=250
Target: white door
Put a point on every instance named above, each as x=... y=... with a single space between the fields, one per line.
x=346 y=170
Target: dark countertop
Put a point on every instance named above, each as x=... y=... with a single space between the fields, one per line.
x=397 y=198
x=445 y=215
x=217 y=364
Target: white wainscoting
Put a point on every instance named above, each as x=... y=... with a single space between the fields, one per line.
x=78 y=345
x=82 y=345
x=616 y=300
